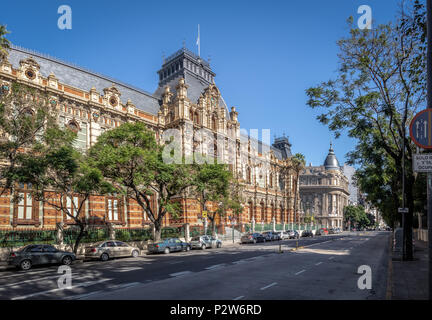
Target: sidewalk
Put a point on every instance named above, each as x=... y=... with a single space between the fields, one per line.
x=409 y=279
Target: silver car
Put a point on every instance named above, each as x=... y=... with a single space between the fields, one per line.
x=204 y=242
x=110 y=249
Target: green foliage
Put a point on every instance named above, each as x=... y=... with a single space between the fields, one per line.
x=378 y=89
x=131 y=160
x=19 y=238
x=4 y=43
x=24 y=115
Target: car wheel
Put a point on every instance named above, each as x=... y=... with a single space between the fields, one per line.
x=104 y=257
x=167 y=250
x=135 y=253
x=203 y=247
x=67 y=260
x=25 y=265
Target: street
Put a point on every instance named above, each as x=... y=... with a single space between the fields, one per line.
x=323 y=268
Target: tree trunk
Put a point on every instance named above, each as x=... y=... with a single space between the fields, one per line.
x=80 y=236
x=158 y=231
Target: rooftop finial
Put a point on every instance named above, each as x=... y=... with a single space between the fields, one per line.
x=184 y=43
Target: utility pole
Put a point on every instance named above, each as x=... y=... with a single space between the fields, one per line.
x=429 y=105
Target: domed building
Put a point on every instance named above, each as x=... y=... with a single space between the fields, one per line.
x=324 y=192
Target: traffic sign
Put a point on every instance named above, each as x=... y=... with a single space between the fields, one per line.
x=403 y=210
x=422 y=162
x=204 y=213
x=421 y=129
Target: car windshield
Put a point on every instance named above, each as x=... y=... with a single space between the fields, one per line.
x=196 y=239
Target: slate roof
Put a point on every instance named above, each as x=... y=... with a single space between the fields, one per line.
x=85 y=79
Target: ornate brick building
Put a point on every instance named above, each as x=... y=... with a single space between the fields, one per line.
x=187 y=104
x=324 y=192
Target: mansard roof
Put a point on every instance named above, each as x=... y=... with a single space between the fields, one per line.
x=84 y=79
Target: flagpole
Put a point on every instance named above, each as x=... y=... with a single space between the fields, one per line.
x=199 y=42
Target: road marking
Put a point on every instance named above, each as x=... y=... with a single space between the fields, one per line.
x=84 y=284
x=127 y=269
x=317 y=264
x=178 y=274
x=175 y=262
x=268 y=286
x=239 y=261
x=331 y=258
x=300 y=272
x=215 y=266
x=238 y=298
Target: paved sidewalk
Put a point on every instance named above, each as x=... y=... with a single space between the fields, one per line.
x=409 y=279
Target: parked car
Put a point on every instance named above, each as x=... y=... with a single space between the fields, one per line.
x=284 y=235
x=39 y=254
x=331 y=231
x=321 y=232
x=293 y=234
x=252 y=238
x=204 y=242
x=104 y=250
x=168 y=245
x=307 y=233
x=270 y=236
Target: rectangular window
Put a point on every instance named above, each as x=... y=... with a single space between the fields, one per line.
x=25 y=209
x=73 y=209
x=113 y=209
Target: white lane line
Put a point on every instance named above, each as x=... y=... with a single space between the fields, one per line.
x=331 y=258
x=178 y=274
x=215 y=266
x=127 y=269
x=300 y=272
x=239 y=261
x=317 y=264
x=175 y=262
x=84 y=284
x=238 y=298
x=268 y=286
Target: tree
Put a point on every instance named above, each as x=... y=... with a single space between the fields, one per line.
x=24 y=115
x=61 y=176
x=4 y=43
x=374 y=97
x=131 y=160
x=212 y=184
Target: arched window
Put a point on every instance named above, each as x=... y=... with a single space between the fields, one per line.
x=214 y=126
x=271 y=180
x=196 y=117
x=73 y=125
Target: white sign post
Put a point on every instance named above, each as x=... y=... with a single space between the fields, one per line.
x=422 y=162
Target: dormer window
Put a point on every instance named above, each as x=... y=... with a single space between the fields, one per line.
x=30 y=74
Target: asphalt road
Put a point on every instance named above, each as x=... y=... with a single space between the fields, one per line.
x=326 y=268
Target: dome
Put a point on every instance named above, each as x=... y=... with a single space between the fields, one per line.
x=331 y=162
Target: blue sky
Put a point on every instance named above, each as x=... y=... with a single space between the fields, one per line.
x=265 y=53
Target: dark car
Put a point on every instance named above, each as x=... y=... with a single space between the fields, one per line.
x=39 y=254
x=307 y=233
x=331 y=231
x=293 y=234
x=253 y=238
x=168 y=245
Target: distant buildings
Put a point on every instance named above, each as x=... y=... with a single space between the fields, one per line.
x=324 y=192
